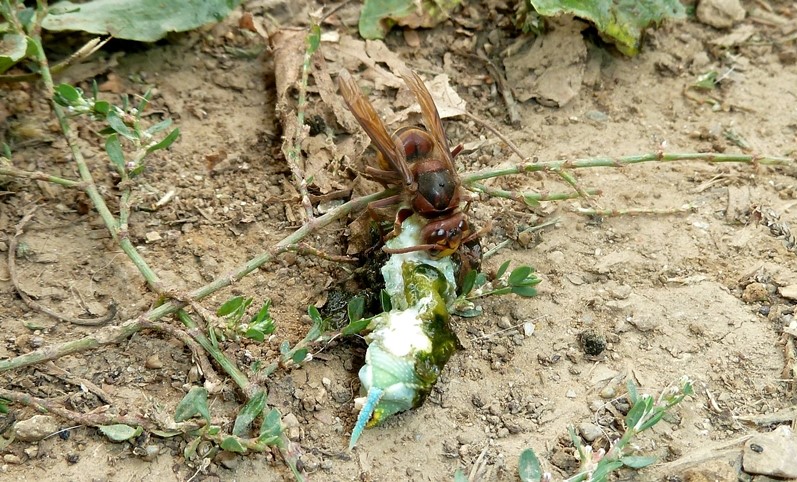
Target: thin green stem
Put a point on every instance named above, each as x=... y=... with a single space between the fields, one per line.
x=528 y=197
x=116 y=334
x=230 y=367
x=553 y=166
x=37 y=176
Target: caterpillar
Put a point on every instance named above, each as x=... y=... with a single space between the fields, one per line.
x=409 y=345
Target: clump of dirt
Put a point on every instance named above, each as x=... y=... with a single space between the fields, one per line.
x=705 y=292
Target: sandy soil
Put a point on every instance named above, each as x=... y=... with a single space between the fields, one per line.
x=693 y=293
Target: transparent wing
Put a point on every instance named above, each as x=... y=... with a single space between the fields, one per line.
x=391 y=147
x=431 y=118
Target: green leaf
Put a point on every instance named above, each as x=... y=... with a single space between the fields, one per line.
x=114 y=149
x=67 y=95
x=120 y=432
x=102 y=108
x=605 y=467
x=299 y=356
x=272 y=425
x=633 y=395
x=117 y=124
x=459 y=476
x=529 y=468
x=469 y=282
x=356 y=327
x=13 y=48
x=195 y=402
x=313 y=39
x=314 y=315
x=231 y=306
x=502 y=269
x=213 y=430
x=638 y=461
x=638 y=410
x=232 y=444
x=285 y=347
x=253 y=408
x=190 y=449
x=4 y=405
x=518 y=275
x=263 y=314
x=160 y=126
x=619 y=21
x=143 y=103
x=384 y=300
x=524 y=291
x=165 y=142
x=377 y=17
x=165 y=433
x=140 y=20
x=652 y=420
x=355 y=308
x=706 y=81
x=255 y=334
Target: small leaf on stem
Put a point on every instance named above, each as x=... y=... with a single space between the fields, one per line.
x=195 y=402
x=253 y=408
x=120 y=432
x=114 y=149
x=529 y=468
x=166 y=142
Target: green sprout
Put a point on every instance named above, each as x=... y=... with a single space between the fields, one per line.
x=596 y=466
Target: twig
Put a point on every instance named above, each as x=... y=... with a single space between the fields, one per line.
x=116 y=334
x=711 y=157
x=307 y=250
x=81 y=382
x=92 y=419
x=630 y=211
x=13 y=242
x=293 y=151
x=528 y=197
x=561 y=172
x=83 y=52
x=506 y=92
x=196 y=350
x=36 y=175
x=506 y=242
x=784 y=415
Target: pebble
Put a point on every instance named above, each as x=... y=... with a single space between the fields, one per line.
x=755 y=292
x=720 y=13
x=153 y=362
x=590 y=432
x=789 y=292
x=12 y=459
x=35 y=428
x=528 y=329
x=773 y=454
x=504 y=323
x=571 y=393
x=643 y=324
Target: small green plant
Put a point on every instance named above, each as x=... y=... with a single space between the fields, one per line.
x=122 y=123
x=520 y=281
x=596 y=466
x=257 y=328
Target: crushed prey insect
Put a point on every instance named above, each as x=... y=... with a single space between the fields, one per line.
x=421 y=162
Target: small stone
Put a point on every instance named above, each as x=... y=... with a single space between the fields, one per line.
x=503 y=432
x=720 y=13
x=789 y=292
x=504 y=323
x=755 y=292
x=590 y=432
x=528 y=329
x=151 y=452
x=773 y=454
x=35 y=428
x=643 y=324
x=153 y=362
x=571 y=393
x=32 y=452
x=596 y=115
x=290 y=420
x=592 y=342
x=608 y=392
x=596 y=405
x=12 y=459
x=228 y=460
x=152 y=236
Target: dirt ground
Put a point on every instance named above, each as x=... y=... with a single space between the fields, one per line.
x=697 y=293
